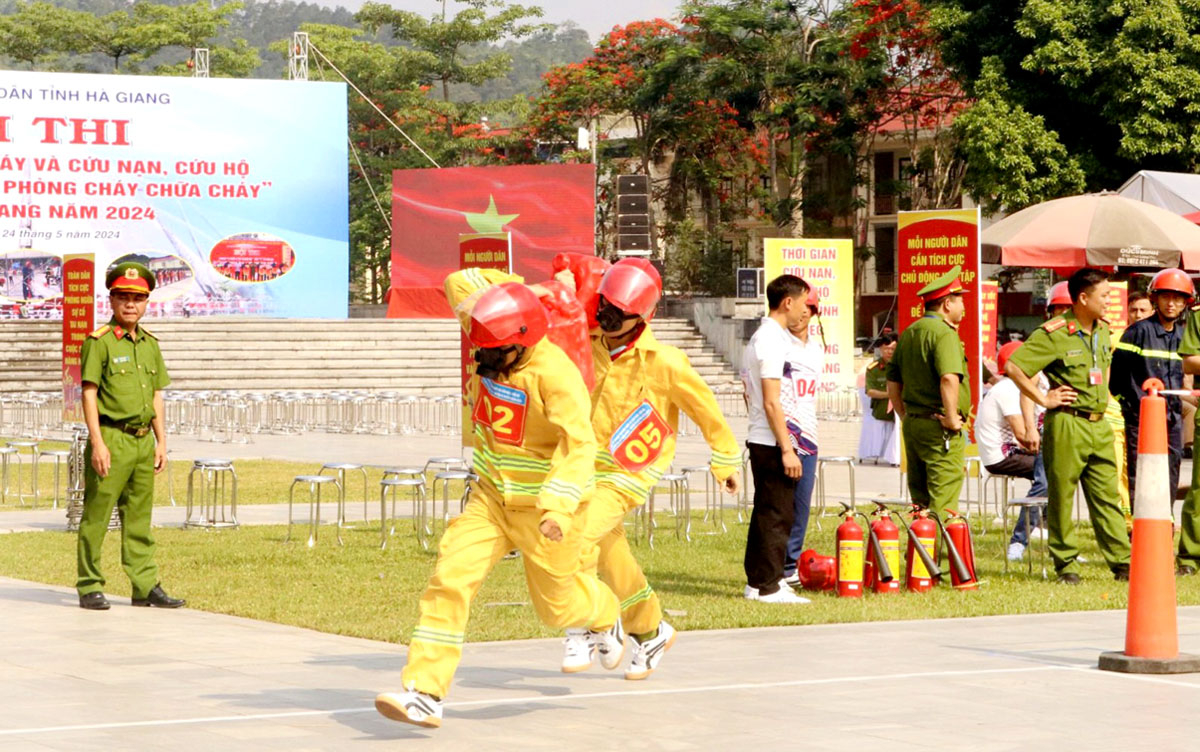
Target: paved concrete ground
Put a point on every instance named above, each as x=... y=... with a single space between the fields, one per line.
x=186 y=680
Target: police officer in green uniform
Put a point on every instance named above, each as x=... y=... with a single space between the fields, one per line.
x=926 y=383
x=1074 y=352
x=1188 y=562
x=123 y=379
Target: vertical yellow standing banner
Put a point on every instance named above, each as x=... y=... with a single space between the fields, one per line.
x=828 y=266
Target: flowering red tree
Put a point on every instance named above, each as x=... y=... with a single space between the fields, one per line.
x=919 y=98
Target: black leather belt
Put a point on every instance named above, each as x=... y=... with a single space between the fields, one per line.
x=135 y=431
x=1091 y=417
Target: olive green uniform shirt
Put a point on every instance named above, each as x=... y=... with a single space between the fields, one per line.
x=877 y=381
x=1068 y=355
x=126 y=371
x=927 y=350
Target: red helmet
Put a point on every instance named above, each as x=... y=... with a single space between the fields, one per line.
x=507 y=314
x=1006 y=353
x=1173 y=280
x=633 y=285
x=814 y=301
x=1059 y=295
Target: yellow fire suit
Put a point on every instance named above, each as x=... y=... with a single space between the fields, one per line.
x=645 y=371
x=534 y=455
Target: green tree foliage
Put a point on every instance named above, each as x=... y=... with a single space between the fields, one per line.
x=442 y=43
x=1117 y=83
x=1012 y=160
x=39 y=34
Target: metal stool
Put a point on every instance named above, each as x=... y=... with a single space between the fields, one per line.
x=712 y=499
x=977 y=464
x=59 y=456
x=314 y=505
x=744 y=498
x=417 y=496
x=445 y=478
x=32 y=446
x=677 y=486
x=341 y=468
x=5 y=453
x=1000 y=492
x=444 y=464
x=822 y=499
x=170 y=481
x=1026 y=503
x=212 y=494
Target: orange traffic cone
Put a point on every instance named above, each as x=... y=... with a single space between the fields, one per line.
x=1151 y=634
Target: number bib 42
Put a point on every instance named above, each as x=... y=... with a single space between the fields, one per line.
x=502 y=408
x=639 y=440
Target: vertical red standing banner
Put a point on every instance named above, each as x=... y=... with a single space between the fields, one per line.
x=989 y=320
x=79 y=298
x=931 y=243
x=479 y=251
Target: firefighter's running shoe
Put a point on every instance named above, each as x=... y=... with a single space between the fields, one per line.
x=646 y=655
x=609 y=645
x=410 y=706
x=578 y=653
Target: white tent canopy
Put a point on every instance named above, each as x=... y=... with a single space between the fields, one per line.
x=1177 y=192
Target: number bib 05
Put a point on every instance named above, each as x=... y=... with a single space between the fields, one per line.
x=639 y=440
x=502 y=409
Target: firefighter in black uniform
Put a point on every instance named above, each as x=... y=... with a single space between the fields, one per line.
x=1150 y=349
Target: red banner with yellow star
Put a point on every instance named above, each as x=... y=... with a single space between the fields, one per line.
x=548 y=209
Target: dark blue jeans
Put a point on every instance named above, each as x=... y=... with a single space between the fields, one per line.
x=803 y=501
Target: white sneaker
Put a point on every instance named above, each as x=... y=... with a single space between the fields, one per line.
x=750 y=593
x=609 y=645
x=791 y=581
x=782 y=595
x=646 y=655
x=578 y=653
x=1016 y=551
x=410 y=706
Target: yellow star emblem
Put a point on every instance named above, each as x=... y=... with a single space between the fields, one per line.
x=491 y=220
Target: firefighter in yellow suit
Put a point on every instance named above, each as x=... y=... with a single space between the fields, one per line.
x=534 y=456
x=641 y=385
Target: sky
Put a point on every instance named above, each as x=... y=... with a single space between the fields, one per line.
x=596 y=17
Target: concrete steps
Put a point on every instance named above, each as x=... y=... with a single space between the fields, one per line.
x=410 y=356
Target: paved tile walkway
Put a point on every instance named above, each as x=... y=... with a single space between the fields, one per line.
x=187 y=680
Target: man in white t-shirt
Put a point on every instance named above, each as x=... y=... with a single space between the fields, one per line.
x=774 y=460
x=801 y=379
x=1006 y=430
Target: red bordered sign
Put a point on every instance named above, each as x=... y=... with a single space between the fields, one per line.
x=502 y=408
x=640 y=438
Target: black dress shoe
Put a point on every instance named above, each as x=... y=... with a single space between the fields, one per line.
x=1185 y=570
x=94 y=602
x=1068 y=578
x=157 y=598
x=1121 y=573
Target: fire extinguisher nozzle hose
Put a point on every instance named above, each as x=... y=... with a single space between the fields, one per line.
x=956 y=559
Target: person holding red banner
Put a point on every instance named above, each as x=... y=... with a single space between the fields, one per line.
x=535 y=456
x=641 y=386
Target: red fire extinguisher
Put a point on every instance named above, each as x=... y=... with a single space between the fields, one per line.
x=850 y=545
x=883 y=557
x=962 y=548
x=922 y=533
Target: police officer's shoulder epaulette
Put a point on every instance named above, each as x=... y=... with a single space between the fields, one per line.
x=100 y=332
x=147 y=332
x=1054 y=324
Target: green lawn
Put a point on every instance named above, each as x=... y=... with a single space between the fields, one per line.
x=358 y=590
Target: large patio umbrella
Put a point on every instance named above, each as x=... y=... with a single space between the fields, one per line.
x=1096 y=229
